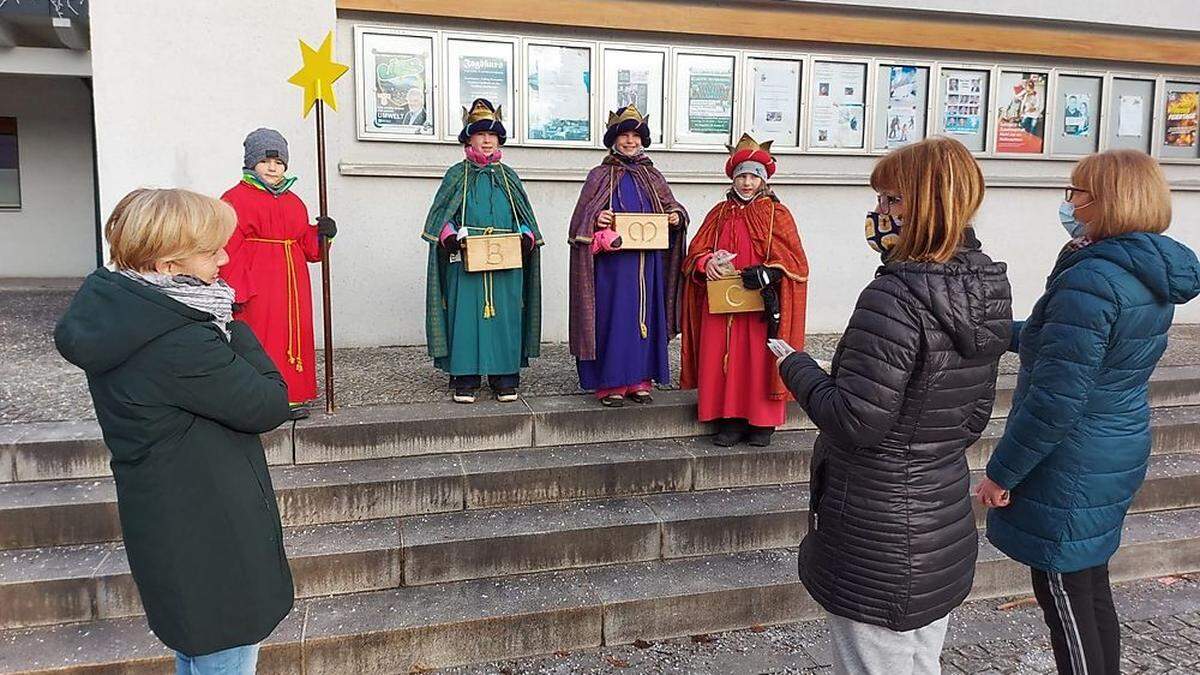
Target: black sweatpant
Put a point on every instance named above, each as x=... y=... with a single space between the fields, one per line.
x=1084 y=632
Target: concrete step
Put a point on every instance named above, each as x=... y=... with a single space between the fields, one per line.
x=77 y=583
x=412 y=628
x=53 y=513
x=74 y=450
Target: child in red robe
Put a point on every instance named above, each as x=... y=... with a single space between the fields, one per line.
x=269 y=254
x=725 y=356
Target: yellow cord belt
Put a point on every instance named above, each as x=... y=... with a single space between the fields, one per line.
x=295 y=356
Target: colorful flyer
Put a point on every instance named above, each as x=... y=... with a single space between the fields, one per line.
x=902 y=106
x=1183 y=117
x=402 y=95
x=963 y=105
x=1021 y=120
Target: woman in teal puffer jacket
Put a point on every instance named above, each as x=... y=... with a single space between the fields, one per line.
x=1078 y=437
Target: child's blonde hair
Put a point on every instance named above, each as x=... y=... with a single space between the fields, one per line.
x=1128 y=190
x=152 y=225
x=942 y=187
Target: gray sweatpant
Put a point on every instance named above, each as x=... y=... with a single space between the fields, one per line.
x=864 y=649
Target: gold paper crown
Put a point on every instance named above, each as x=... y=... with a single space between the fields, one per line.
x=748 y=143
x=630 y=113
x=481 y=112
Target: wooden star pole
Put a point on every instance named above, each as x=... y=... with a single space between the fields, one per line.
x=316 y=77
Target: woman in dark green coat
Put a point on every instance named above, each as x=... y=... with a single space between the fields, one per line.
x=181 y=393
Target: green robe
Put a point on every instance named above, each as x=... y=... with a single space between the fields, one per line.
x=461 y=339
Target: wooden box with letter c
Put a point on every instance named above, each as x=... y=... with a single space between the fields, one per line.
x=493 y=252
x=729 y=296
x=642 y=231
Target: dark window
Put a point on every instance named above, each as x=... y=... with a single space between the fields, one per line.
x=10 y=168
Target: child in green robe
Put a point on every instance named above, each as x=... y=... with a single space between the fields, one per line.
x=482 y=322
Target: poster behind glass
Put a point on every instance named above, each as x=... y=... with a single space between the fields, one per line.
x=1021 y=112
x=1183 y=118
x=632 y=76
x=838 y=105
x=901 y=102
x=479 y=69
x=396 y=81
x=560 y=93
x=774 y=96
x=704 y=92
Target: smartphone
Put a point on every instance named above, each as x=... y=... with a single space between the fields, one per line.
x=779 y=348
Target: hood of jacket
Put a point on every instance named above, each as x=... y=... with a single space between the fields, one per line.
x=969 y=296
x=1167 y=268
x=112 y=317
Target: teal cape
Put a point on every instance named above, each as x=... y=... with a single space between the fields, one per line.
x=460 y=339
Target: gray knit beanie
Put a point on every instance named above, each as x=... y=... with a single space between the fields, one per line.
x=264 y=143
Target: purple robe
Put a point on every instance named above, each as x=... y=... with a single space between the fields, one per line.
x=623 y=355
x=585 y=280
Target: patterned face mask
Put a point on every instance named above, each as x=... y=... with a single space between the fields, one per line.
x=882 y=231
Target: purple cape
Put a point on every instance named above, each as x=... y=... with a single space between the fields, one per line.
x=593 y=199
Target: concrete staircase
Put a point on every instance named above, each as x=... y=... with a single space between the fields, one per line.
x=432 y=535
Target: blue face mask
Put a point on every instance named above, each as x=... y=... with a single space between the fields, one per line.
x=1066 y=215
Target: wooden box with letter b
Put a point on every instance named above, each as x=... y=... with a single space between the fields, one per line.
x=493 y=252
x=729 y=296
x=642 y=231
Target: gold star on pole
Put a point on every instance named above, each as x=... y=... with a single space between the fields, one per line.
x=318 y=74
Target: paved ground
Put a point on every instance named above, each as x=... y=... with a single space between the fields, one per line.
x=1160 y=635
x=36 y=385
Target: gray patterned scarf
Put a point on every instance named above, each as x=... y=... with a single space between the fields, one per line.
x=215 y=299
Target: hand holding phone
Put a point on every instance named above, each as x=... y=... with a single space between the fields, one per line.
x=780 y=348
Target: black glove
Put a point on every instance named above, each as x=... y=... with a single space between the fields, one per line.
x=771 y=312
x=326 y=227
x=527 y=244
x=452 y=244
x=757 y=276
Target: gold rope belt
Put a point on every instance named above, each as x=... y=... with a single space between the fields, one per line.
x=295 y=356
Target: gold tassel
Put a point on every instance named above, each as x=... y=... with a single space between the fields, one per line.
x=642 y=295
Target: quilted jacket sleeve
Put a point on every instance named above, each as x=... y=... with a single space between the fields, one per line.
x=879 y=352
x=1076 y=324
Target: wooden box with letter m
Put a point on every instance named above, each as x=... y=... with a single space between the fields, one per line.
x=493 y=252
x=729 y=296
x=642 y=231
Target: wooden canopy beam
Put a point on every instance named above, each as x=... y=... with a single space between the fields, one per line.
x=807 y=24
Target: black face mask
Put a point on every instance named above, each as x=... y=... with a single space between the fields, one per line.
x=882 y=232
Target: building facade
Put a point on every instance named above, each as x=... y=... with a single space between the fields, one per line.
x=166 y=92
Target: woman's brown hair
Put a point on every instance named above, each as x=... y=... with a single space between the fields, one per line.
x=941 y=185
x=1128 y=190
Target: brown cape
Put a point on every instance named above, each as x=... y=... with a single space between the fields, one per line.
x=778 y=242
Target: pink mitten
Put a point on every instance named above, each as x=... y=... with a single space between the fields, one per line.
x=605 y=241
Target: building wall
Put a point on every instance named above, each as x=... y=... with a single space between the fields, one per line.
x=380 y=265
x=1162 y=14
x=54 y=232
x=181 y=120
x=178 y=85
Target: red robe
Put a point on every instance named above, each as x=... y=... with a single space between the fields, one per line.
x=725 y=356
x=269 y=254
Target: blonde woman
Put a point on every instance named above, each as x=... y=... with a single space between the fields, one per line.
x=891 y=545
x=1078 y=436
x=181 y=393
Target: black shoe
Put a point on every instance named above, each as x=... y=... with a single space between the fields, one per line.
x=613 y=401
x=465 y=395
x=641 y=397
x=760 y=437
x=300 y=412
x=729 y=432
x=506 y=394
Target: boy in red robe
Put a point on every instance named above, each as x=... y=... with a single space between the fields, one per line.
x=269 y=254
x=725 y=356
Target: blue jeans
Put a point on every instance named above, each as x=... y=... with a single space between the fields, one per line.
x=236 y=661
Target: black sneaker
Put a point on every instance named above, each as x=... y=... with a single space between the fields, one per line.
x=760 y=437
x=729 y=432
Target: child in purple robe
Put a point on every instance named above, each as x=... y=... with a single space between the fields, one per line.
x=624 y=303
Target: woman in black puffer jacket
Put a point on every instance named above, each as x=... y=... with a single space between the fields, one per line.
x=892 y=544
